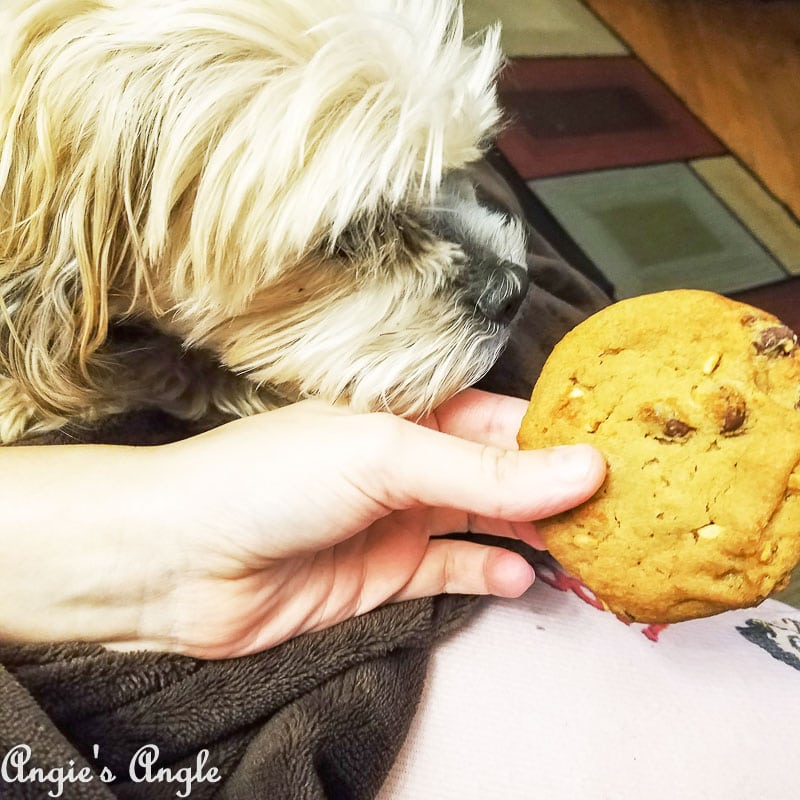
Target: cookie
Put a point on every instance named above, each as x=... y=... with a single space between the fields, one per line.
x=694 y=400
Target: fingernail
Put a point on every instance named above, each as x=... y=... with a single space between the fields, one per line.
x=573 y=463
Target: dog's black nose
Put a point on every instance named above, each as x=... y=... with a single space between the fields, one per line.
x=503 y=293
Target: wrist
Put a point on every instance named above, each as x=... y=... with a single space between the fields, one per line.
x=83 y=560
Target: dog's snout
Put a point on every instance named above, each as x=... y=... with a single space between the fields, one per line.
x=503 y=293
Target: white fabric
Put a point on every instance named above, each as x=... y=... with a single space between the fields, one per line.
x=548 y=697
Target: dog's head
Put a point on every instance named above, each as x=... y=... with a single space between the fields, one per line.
x=280 y=182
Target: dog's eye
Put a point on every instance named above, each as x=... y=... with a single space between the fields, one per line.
x=380 y=239
x=360 y=240
x=344 y=247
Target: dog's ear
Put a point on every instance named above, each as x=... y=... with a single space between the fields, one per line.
x=47 y=340
x=60 y=212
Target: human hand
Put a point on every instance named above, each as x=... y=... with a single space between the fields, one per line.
x=297 y=519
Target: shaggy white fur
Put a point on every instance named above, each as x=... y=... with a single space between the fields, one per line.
x=274 y=184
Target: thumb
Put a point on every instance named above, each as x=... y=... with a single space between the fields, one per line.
x=434 y=469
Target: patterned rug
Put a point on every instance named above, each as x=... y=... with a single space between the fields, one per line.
x=623 y=179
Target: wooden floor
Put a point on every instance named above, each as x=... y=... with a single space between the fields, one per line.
x=736 y=64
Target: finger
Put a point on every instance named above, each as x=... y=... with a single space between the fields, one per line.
x=441 y=521
x=441 y=471
x=480 y=417
x=456 y=567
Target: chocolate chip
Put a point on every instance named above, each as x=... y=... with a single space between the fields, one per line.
x=776 y=341
x=733 y=419
x=729 y=408
x=676 y=428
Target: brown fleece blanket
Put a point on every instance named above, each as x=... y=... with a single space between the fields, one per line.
x=321 y=716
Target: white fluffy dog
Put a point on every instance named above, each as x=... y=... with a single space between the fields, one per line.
x=219 y=207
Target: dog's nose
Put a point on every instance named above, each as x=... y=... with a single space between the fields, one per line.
x=503 y=292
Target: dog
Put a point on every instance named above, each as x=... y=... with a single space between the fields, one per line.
x=220 y=208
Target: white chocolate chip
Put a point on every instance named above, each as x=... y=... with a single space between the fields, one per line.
x=712 y=362
x=710 y=531
x=577 y=392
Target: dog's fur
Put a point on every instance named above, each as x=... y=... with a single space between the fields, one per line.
x=224 y=206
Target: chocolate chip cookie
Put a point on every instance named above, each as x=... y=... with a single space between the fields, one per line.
x=694 y=400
